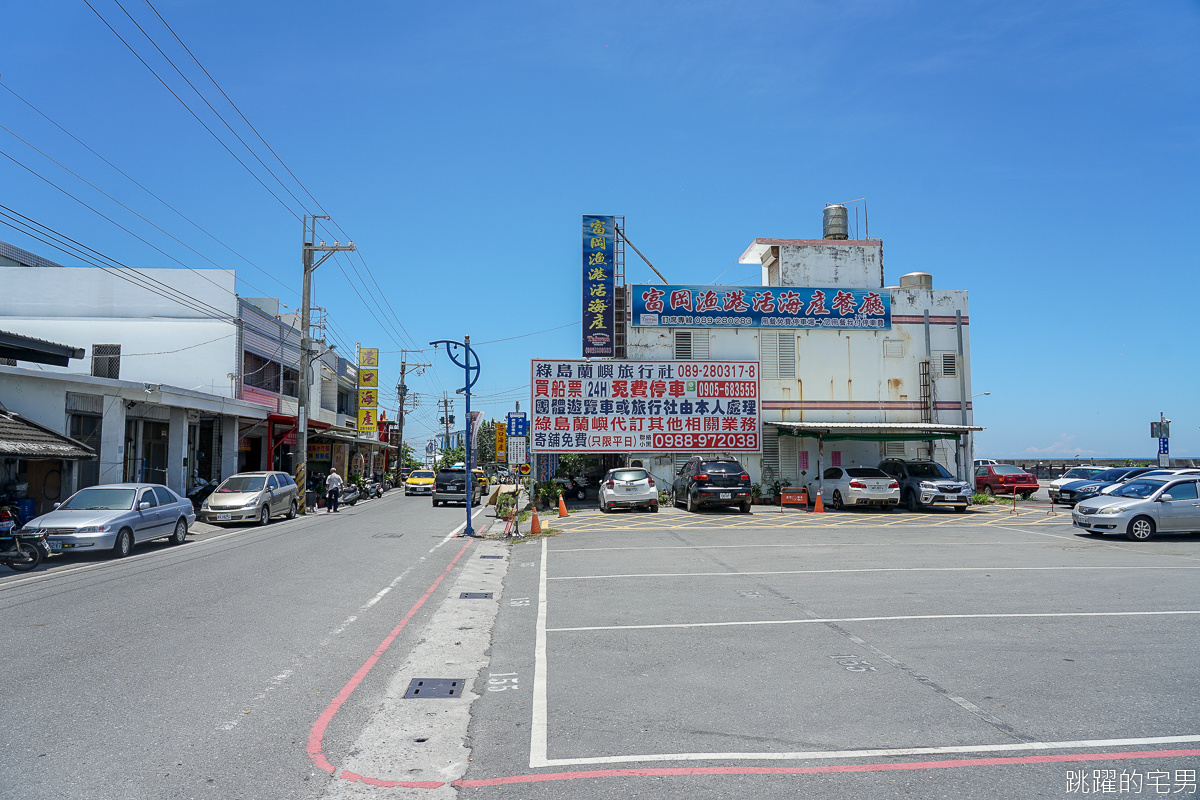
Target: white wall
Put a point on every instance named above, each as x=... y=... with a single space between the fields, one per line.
x=91 y=292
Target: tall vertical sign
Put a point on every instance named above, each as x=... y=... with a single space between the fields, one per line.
x=599 y=286
x=368 y=390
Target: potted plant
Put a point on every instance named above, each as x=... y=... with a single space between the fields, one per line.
x=756 y=493
x=776 y=488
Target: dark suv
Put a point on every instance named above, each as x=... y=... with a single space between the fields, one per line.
x=451 y=484
x=928 y=483
x=713 y=482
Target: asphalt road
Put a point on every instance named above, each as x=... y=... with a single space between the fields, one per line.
x=200 y=670
x=632 y=655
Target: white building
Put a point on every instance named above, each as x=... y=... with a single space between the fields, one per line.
x=838 y=396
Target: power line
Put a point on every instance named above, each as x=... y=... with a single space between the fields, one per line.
x=136 y=183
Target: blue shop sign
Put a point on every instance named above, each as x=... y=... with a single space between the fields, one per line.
x=759 y=307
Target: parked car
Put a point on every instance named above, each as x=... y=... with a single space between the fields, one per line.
x=628 y=487
x=420 y=481
x=252 y=497
x=1072 y=493
x=1005 y=479
x=1142 y=507
x=1070 y=476
x=859 y=486
x=115 y=516
x=454 y=485
x=712 y=482
x=927 y=483
x=983 y=462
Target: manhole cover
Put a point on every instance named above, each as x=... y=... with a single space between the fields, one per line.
x=475 y=596
x=387 y=536
x=491 y=556
x=435 y=687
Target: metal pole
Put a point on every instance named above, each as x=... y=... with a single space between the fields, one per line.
x=305 y=364
x=469 y=531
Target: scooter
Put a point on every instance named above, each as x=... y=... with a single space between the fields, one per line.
x=20 y=551
x=350 y=494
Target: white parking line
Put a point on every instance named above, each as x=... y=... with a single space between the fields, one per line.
x=879 y=753
x=872 y=545
x=843 y=571
x=809 y=620
x=538 y=730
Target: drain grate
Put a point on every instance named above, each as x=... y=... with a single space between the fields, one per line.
x=475 y=596
x=491 y=556
x=435 y=687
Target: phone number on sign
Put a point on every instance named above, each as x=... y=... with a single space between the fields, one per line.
x=726 y=389
x=717 y=370
x=706 y=441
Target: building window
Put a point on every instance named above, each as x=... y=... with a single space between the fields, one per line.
x=106 y=361
x=945 y=364
x=87 y=428
x=777 y=354
x=691 y=345
x=291 y=382
x=259 y=372
x=343 y=403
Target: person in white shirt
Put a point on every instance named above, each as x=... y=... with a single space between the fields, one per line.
x=333 y=490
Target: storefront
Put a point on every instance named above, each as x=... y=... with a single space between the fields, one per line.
x=37 y=465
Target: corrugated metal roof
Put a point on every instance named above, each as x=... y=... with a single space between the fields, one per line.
x=24 y=439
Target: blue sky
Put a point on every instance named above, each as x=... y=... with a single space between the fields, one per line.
x=1042 y=156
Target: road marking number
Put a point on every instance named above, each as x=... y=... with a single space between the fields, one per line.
x=853 y=663
x=501 y=681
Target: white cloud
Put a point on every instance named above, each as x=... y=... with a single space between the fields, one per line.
x=1064 y=446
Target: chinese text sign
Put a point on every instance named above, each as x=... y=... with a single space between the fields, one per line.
x=759 y=307
x=599 y=285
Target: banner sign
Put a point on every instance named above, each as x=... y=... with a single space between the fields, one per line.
x=759 y=307
x=517 y=453
x=661 y=406
x=599 y=286
x=501 y=440
x=368 y=389
x=320 y=452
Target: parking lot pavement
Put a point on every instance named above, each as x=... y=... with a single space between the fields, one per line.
x=855 y=654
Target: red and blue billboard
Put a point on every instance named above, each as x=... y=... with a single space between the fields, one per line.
x=759 y=307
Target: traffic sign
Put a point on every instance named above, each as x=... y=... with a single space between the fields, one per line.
x=523 y=469
x=518 y=423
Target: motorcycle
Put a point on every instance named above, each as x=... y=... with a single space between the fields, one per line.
x=350 y=495
x=200 y=493
x=20 y=551
x=573 y=487
x=374 y=490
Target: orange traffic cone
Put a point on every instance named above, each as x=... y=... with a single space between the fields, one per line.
x=819 y=508
x=562 y=507
x=535 y=525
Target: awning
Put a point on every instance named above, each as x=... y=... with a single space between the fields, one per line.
x=872 y=431
x=38 y=351
x=21 y=438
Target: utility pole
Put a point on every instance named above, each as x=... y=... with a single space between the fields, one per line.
x=309 y=247
x=447 y=404
x=402 y=392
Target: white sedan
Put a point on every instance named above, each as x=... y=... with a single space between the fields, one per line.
x=628 y=487
x=847 y=487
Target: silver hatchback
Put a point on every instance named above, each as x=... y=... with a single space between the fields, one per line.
x=252 y=497
x=1141 y=508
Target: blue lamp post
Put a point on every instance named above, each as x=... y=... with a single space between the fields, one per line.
x=470 y=364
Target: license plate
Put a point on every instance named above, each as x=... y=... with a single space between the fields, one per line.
x=55 y=545
x=726 y=496
x=631 y=489
x=220 y=517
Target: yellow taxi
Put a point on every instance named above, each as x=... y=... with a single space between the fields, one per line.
x=481 y=477
x=420 y=481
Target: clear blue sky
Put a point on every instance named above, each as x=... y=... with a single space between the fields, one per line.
x=1043 y=156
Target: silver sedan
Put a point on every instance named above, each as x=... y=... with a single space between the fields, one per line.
x=115 y=517
x=859 y=486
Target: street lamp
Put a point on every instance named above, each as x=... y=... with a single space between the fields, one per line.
x=470 y=365
x=981 y=394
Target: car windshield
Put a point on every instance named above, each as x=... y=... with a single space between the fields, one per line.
x=421 y=474
x=928 y=471
x=1082 y=473
x=722 y=468
x=101 y=499
x=1111 y=474
x=240 y=484
x=628 y=475
x=1007 y=469
x=866 y=472
x=1138 y=488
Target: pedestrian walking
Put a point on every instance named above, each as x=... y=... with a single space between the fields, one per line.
x=333 y=490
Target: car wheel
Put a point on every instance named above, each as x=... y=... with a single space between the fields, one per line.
x=293 y=510
x=988 y=490
x=435 y=503
x=691 y=504
x=603 y=507
x=180 y=535
x=264 y=516
x=1026 y=495
x=123 y=546
x=837 y=503
x=914 y=503
x=654 y=508
x=581 y=493
x=960 y=509
x=1140 y=529
x=746 y=507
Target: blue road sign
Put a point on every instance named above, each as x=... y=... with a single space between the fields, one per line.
x=518 y=423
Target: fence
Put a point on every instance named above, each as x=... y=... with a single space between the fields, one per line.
x=1049 y=470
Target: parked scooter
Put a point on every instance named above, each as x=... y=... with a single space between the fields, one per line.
x=20 y=551
x=573 y=487
x=374 y=489
x=350 y=494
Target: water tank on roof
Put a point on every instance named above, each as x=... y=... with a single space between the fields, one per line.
x=835 y=222
x=916 y=280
